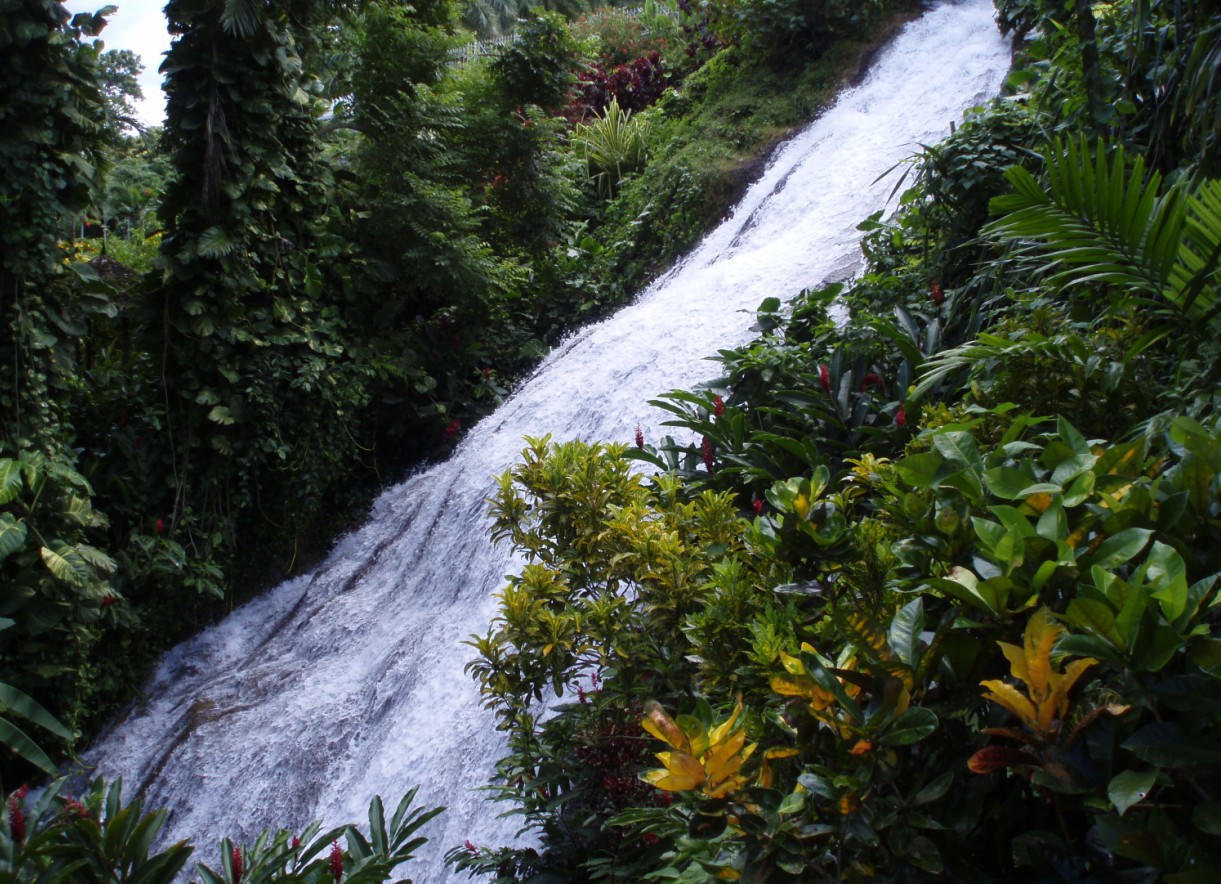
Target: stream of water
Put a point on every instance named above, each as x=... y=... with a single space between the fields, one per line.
x=348 y=682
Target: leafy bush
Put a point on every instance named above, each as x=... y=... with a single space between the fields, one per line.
x=98 y=838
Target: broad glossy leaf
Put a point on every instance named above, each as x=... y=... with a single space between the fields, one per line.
x=66 y=563
x=27 y=707
x=913 y=725
x=1165 y=744
x=10 y=480
x=905 y=630
x=1118 y=549
x=13 y=533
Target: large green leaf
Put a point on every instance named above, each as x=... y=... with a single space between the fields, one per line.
x=66 y=563
x=13 y=532
x=27 y=707
x=10 y=480
x=17 y=740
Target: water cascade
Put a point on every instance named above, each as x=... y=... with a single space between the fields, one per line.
x=348 y=682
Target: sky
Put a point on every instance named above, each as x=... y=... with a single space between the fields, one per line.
x=139 y=25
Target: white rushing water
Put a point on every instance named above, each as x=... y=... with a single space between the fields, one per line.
x=348 y=682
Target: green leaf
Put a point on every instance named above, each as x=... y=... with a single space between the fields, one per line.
x=1207 y=817
x=912 y=726
x=10 y=480
x=1118 y=549
x=221 y=415
x=934 y=790
x=66 y=563
x=905 y=631
x=13 y=533
x=214 y=242
x=1165 y=744
x=1130 y=787
x=27 y=707
x=16 y=739
x=919 y=470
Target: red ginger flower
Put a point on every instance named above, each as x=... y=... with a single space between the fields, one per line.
x=74 y=807
x=901 y=417
x=236 y=856
x=639 y=437
x=758 y=505
x=824 y=378
x=938 y=297
x=871 y=380
x=336 y=861
x=159 y=526
x=469 y=846
x=718 y=407
x=451 y=431
x=706 y=446
x=296 y=842
x=16 y=815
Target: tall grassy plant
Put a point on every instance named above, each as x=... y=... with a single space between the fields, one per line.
x=614 y=145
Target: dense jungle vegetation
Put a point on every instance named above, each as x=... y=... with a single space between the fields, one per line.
x=353 y=234
x=933 y=595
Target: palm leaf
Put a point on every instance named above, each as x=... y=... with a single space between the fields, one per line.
x=1094 y=222
x=1097 y=221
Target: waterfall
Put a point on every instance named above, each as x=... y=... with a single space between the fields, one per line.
x=348 y=682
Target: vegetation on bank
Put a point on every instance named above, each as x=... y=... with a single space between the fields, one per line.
x=934 y=596
x=342 y=249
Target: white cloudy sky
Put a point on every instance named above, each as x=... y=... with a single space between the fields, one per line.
x=139 y=25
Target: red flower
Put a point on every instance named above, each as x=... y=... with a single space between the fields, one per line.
x=159 y=526
x=718 y=407
x=758 y=505
x=871 y=380
x=296 y=842
x=901 y=417
x=108 y=600
x=451 y=431
x=639 y=437
x=487 y=373
x=236 y=856
x=706 y=446
x=336 y=861
x=824 y=378
x=74 y=807
x=938 y=297
x=581 y=695
x=649 y=839
x=16 y=815
x=469 y=846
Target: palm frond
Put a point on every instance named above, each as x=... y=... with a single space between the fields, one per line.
x=1097 y=221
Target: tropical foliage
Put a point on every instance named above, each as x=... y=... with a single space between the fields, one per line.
x=959 y=615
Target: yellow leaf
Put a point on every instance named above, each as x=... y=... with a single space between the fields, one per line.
x=721 y=731
x=1056 y=706
x=1017 y=660
x=669 y=782
x=1039 y=502
x=659 y=724
x=781 y=752
x=792 y=665
x=1041 y=634
x=1013 y=700
x=687 y=772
